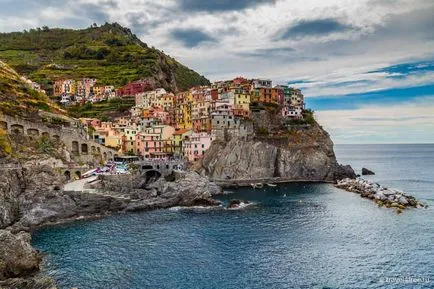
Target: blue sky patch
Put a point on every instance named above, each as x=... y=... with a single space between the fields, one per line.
x=382 y=97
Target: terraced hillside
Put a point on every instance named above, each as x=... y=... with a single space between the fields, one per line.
x=110 y=53
x=17 y=98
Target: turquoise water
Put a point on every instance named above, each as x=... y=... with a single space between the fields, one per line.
x=296 y=236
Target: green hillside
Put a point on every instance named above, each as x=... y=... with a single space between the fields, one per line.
x=110 y=53
x=18 y=98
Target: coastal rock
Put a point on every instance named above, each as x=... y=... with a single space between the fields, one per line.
x=389 y=198
x=235 y=204
x=17 y=257
x=34 y=282
x=188 y=189
x=305 y=155
x=403 y=201
x=11 y=187
x=366 y=172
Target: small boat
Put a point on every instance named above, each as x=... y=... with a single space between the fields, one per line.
x=89 y=173
x=257 y=185
x=272 y=185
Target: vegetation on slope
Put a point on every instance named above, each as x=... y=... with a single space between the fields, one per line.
x=18 y=98
x=104 y=110
x=110 y=53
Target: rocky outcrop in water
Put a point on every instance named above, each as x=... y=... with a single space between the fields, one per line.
x=185 y=189
x=31 y=198
x=17 y=257
x=383 y=196
x=304 y=155
x=366 y=172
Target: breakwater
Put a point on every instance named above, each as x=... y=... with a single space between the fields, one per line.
x=383 y=196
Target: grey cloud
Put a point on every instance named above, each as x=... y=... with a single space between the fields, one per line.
x=140 y=23
x=93 y=12
x=219 y=5
x=191 y=37
x=315 y=27
x=417 y=23
x=282 y=51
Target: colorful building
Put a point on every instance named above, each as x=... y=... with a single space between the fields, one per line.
x=195 y=146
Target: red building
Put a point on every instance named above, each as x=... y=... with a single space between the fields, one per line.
x=135 y=87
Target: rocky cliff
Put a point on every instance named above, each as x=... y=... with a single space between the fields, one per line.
x=32 y=196
x=303 y=154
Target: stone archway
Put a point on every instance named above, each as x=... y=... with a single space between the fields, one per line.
x=77 y=174
x=75 y=149
x=84 y=149
x=17 y=129
x=4 y=125
x=56 y=137
x=32 y=132
x=151 y=176
x=46 y=134
x=67 y=175
x=104 y=155
x=93 y=149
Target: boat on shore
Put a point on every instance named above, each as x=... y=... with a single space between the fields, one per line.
x=257 y=185
x=272 y=185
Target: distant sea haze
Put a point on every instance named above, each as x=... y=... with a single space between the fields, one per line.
x=295 y=236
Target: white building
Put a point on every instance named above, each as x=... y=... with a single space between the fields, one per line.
x=262 y=83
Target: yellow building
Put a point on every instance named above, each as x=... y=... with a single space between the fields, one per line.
x=98 y=90
x=183 y=116
x=113 y=139
x=178 y=137
x=242 y=99
x=166 y=102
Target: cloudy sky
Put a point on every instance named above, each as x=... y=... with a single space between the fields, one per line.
x=366 y=67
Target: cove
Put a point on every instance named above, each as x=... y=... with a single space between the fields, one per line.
x=296 y=236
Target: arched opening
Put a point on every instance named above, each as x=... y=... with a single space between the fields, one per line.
x=150 y=177
x=75 y=150
x=67 y=175
x=4 y=125
x=77 y=174
x=46 y=134
x=84 y=149
x=92 y=149
x=32 y=132
x=104 y=155
x=17 y=129
x=56 y=137
x=98 y=149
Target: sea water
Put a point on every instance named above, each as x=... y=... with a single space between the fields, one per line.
x=294 y=236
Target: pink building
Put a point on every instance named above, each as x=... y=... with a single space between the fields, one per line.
x=155 y=142
x=195 y=146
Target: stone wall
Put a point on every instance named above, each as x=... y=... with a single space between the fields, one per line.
x=77 y=142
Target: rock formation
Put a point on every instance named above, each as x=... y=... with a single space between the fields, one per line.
x=305 y=155
x=366 y=172
x=31 y=197
x=383 y=196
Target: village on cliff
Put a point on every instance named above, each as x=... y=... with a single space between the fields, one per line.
x=165 y=125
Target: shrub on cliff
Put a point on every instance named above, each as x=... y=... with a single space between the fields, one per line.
x=5 y=144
